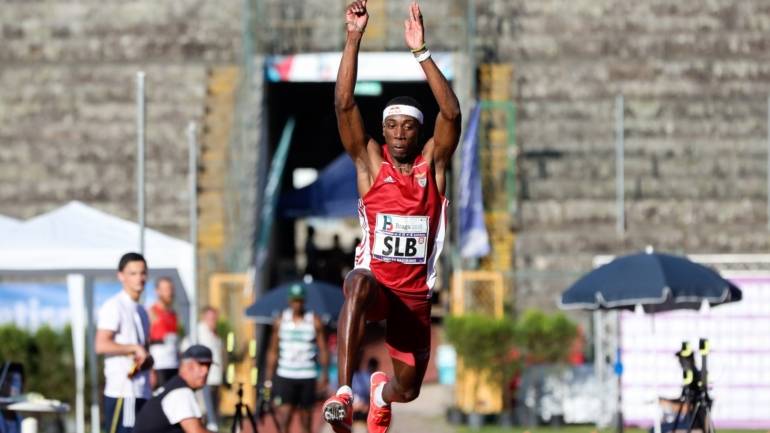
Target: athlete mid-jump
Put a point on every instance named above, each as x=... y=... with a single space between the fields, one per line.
x=402 y=211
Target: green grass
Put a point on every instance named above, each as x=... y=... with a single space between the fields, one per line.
x=573 y=429
x=565 y=429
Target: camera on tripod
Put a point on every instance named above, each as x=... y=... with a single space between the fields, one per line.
x=694 y=409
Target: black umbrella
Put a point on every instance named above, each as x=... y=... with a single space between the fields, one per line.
x=322 y=298
x=657 y=282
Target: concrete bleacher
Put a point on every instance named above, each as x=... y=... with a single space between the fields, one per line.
x=69 y=133
x=695 y=78
x=67 y=101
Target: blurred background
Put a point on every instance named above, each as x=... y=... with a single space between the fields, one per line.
x=593 y=129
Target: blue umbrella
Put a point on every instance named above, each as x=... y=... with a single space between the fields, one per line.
x=322 y=298
x=655 y=281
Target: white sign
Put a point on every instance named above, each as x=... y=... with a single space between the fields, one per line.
x=384 y=66
x=401 y=238
x=738 y=364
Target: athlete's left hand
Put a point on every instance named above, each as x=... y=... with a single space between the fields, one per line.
x=413 y=30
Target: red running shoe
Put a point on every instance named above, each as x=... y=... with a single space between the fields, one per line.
x=338 y=412
x=378 y=420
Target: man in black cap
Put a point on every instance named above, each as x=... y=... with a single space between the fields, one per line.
x=174 y=408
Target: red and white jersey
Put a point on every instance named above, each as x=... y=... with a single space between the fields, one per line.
x=403 y=220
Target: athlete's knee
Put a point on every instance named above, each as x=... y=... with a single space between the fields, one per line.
x=406 y=393
x=411 y=394
x=358 y=285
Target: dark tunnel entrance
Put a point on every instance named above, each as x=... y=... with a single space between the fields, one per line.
x=316 y=143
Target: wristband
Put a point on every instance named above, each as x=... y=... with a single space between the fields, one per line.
x=420 y=48
x=268 y=384
x=425 y=55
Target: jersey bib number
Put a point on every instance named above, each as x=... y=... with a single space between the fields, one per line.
x=399 y=238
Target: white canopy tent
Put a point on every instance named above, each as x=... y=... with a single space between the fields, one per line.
x=80 y=243
x=7 y=223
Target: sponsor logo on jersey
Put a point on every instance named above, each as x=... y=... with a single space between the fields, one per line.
x=401 y=238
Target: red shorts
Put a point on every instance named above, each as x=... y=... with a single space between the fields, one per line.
x=407 y=333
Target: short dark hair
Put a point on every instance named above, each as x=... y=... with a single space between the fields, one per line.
x=130 y=257
x=404 y=100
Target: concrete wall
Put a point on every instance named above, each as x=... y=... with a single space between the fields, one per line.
x=67 y=113
x=695 y=78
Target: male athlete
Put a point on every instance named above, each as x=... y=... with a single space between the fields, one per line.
x=402 y=210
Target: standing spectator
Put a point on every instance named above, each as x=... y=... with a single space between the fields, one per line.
x=163 y=332
x=337 y=264
x=207 y=336
x=311 y=253
x=122 y=336
x=296 y=341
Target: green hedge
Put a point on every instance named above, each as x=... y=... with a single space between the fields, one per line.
x=49 y=365
x=499 y=347
x=484 y=343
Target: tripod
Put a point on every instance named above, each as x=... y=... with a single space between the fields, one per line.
x=265 y=407
x=238 y=415
x=695 y=396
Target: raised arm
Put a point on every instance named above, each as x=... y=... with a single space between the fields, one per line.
x=349 y=121
x=446 y=134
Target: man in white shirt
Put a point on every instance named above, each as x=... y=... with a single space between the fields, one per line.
x=207 y=336
x=122 y=336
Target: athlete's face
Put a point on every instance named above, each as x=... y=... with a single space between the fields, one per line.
x=401 y=134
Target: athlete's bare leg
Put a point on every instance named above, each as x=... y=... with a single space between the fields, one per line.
x=407 y=381
x=361 y=289
x=403 y=387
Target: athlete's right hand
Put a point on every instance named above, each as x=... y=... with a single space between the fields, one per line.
x=356 y=16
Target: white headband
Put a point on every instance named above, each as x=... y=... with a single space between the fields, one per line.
x=407 y=110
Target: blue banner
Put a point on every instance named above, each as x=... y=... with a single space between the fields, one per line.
x=474 y=240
